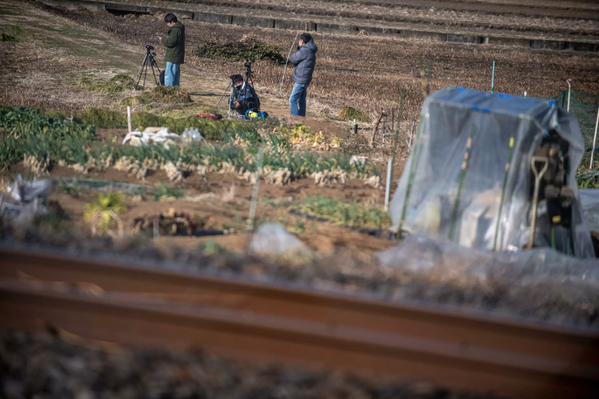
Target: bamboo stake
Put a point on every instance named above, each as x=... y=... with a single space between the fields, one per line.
x=376 y=126
x=411 y=134
x=461 y=183
x=288 y=55
x=398 y=125
x=409 y=184
x=230 y=98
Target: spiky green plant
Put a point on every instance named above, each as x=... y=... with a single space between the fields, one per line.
x=102 y=214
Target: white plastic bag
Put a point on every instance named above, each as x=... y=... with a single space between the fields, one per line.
x=273 y=239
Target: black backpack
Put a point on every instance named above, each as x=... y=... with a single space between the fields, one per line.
x=161 y=78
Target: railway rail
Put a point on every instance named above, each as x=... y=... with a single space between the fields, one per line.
x=131 y=302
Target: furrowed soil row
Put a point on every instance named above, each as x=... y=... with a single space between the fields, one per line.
x=131 y=303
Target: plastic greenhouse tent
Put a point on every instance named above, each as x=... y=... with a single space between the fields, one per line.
x=479 y=159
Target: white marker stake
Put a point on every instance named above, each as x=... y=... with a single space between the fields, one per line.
x=569 y=92
x=129 y=118
x=594 y=140
x=388 y=189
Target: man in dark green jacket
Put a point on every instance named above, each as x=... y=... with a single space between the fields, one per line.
x=175 y=50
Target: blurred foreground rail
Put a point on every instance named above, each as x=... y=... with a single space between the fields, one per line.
x=133 y=303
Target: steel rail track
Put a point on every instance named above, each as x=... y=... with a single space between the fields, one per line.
x=448 y=346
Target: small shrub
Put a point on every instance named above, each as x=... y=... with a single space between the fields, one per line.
x=166 y=191
x=237 y=51
x=10 y=33
x=102 y=213
x=349 y=114
x=211 y=248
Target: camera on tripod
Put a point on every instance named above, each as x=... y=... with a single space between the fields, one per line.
x=249 y=75
x=143 y=71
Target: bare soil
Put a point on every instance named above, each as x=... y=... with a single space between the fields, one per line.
x=501 y=19
x=43 y=69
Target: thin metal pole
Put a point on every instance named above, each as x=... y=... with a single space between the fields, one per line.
x=493 y=78
x=414 y=156
x=398 y=125
x=594 y=140
x=569 y=92
x=230 y=98
x=388 y=188
x=221 y=97
x=256 y=188
x=288 y=55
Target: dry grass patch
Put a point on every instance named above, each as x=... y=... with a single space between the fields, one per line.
x=161 y=95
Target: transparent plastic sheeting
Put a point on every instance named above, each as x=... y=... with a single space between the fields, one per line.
x=589 y=200
x=425 y=255
x=449 y=120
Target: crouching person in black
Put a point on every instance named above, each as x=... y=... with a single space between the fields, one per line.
x=244 y=97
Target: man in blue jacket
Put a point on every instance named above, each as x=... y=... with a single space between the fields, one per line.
x=304 y=61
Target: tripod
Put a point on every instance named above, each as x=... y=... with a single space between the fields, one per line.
x=249 y=80
x=148 y=60
x=221 y=97
x=249 y=76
